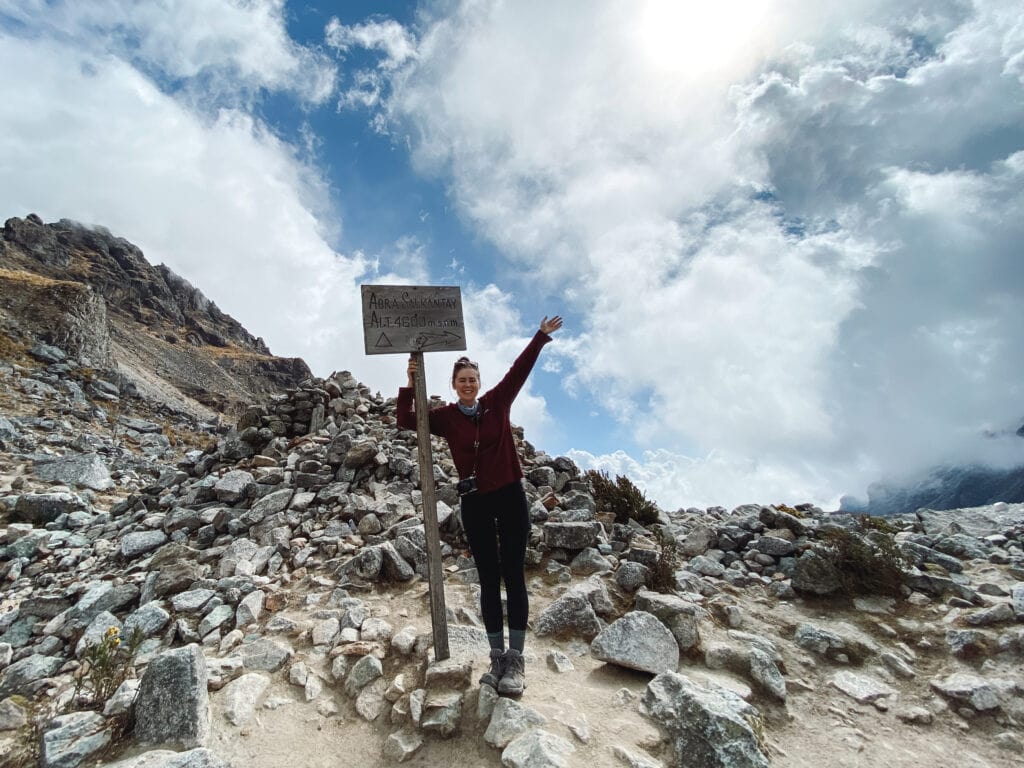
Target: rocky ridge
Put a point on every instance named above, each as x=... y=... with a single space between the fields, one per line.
x=275 y=571
x=95 y=296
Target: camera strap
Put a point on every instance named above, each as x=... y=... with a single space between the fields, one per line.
x=476 y=443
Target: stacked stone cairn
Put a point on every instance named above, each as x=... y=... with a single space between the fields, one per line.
x=257 y=555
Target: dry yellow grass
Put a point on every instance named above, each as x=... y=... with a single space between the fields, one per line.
x=32 y=279
x=235 y=352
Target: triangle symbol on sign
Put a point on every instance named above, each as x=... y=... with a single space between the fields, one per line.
x=384 y=341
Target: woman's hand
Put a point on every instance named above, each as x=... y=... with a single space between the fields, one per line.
x=411 y=370
x=550 y=326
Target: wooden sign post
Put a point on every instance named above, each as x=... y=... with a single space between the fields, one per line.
x=406 y=319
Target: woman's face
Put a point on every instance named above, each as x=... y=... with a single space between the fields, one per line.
x=467 y=384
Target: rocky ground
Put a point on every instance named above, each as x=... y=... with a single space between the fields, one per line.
x=275 y=573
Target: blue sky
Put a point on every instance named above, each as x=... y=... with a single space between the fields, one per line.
x=785 y=236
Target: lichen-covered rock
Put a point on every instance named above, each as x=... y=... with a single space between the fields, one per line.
x=570 y=535
x=77 y=470
x=72 y=739
x=815 y=574
x=968 y=689
x=637 y=641
x=172 y=704
x=863 y=689
x=709 y=727
x=23 y=676
x=442 y=712
x=537 y=749
x=510 y=719
x=570 y=614
x=164 y=758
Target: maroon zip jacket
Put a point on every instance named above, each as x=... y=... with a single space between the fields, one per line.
x=498 y=462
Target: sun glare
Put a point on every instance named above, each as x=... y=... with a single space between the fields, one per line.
x=687 y=37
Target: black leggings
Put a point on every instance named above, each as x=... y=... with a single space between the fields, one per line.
x=497 y=525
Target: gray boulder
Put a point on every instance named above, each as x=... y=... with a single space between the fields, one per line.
x=571 y=535
x=42 y=508
x=997 y=614
x=637 y=641
x=73 y=739
x=264 y=655
x=863 y=689
x=165 y=758
x=510 y=719
x=815 y=574
x=537 y=749
x=442 y=712
x=22 y=676
x=709 y=727
x=76 y=469
x=970 y=689
x=631 y=576
x=402 y=744
x=140 y=542
x=774 y=546
x=589 y=561
x=976 y=521
x=172 y=704
x=570 y=614
x=1017 y=600
x=234 y=486
x=364 y=671
x=241 y=696
x=765 y=672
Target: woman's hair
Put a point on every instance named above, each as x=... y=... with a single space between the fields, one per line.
x=464 y=362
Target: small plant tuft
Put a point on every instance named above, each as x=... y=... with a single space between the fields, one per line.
x=880 y=524
x=663 y=579
x=756 y=723
x=790 y=510
x=105 y=665
x=24 y=749
x=621 y=497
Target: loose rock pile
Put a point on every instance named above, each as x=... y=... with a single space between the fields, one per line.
x=255 y=555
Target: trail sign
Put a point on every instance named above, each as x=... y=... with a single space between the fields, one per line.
x=404 y=319
x=398 y=319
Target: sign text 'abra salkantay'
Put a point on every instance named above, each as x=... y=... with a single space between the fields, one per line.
x=412 y=318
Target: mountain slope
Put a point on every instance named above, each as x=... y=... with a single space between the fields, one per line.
x=97 y=297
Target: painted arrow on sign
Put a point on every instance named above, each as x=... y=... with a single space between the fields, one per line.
x=424 y=340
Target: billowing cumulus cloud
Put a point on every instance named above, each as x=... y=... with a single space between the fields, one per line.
x=794 y=243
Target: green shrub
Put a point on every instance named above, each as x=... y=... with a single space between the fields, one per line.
x=869 y=523
x=663 y=578
x=621 y=498
x=864 y=561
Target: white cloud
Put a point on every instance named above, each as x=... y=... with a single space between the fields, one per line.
x=387 y=36
x=720 y=478
x=796 y=253
x=221 y=200
x=391 y=39
x=235 y=46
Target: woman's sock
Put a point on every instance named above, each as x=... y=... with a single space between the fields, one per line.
x=516 y=639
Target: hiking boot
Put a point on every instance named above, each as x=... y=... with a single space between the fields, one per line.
x=493 y=675
x=513 y=682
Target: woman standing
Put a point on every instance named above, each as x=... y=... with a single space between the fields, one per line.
x=495 y=515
